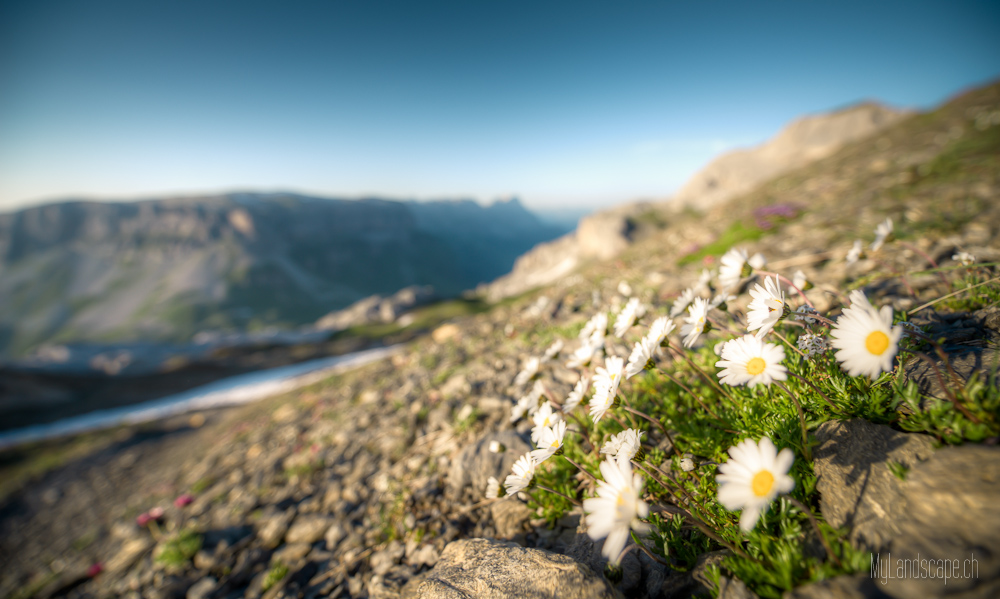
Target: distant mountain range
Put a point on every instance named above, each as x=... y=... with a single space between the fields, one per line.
x=166 y=269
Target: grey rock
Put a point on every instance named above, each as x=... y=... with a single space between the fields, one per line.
x=857 y=488
x=202 y=589
x=425 y=555
x=271 y=529
x=475 y=464
x=334 y=534
x=509 y=517
x=383 y=561
x=131 y=550
x=292 y=553
x=308 y=528
x=588 y=552
x=950 y=512
x=487 y=569
x=854 y=586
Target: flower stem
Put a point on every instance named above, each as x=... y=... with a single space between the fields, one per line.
x=802 y=422
x=947 y=389
x=578 y=466
x=563 y=495
x=583 y=432
x=691 y=393
x=711 y=380
x=816 y=389
x=944 y=297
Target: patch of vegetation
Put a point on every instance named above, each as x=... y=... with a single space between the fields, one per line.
x=705 y=419
x=179 y=549
x=275 y=575
x=736 y=234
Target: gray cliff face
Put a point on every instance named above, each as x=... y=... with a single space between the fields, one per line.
x=165 y=269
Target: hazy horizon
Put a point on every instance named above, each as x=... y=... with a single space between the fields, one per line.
x=566 y=108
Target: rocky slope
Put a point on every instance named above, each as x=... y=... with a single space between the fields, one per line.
x=371 y=483
x=606 y=234
x=166 y=269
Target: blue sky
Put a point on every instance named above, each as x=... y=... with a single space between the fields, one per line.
x=564 y=104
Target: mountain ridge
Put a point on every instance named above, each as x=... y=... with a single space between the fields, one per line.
x=166 y=269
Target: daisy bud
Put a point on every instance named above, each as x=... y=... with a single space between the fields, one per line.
x=497 y=447
x=687 y=464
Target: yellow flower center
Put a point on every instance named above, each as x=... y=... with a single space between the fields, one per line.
x=555 y=443
x=755 y=366
x=762 y=483
x=877 y=342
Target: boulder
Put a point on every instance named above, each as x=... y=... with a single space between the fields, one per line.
x=853 y=477
x=475 y=463
x=488 y=569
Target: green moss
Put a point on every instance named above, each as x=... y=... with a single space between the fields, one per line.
x=179 y=549
x=736 y=233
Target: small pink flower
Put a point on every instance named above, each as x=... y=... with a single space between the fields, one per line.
x=184 y=500
x=153 y=515
x=95 y=569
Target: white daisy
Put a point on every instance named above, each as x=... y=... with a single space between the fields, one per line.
x=492 y=488
x=641 y=354
x=632 y=312
x=696 y=321
x=687 y=464
x=964 y=258
x=553 y=351
x=767 y=307
x=625 y=289
x=577 y=394
x=799 y=280
x=617 y=508
x=733 y=267
x=754 y=476
x=659 y=330
x=549 y=442
x=749 y=361
x=682 y=302
x=543 y=418
x=497 y=447
x=583 y=355
x=721 y=300
x=606 y=381
x=857 y=252
x=883 y=232
x=757 y=261
x=597 y=325
x=522 y=473
x=702 y=286
x=625 y=445
x=528 y=372
x=866 y=340
x=528 y=403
